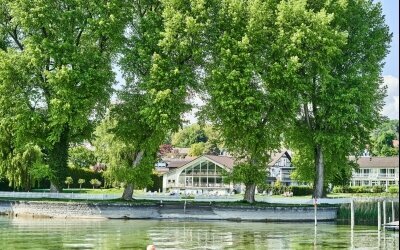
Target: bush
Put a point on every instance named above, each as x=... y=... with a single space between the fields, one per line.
x=95 y=183
x=277 y=188
x=359 y=189
x=83 y=173
x=302 y=190
x=338 y=189
x=393 y=189
x=378 y=189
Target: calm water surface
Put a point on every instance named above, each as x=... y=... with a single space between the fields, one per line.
x=19 y=233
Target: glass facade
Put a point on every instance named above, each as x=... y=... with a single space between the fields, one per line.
x=204 y=174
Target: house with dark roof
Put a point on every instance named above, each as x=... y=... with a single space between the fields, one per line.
x=376 y=171
x=204 y=174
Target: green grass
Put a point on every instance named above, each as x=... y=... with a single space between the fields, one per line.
x=87 y=190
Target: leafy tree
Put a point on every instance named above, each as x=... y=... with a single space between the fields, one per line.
x=382 y=139
x=336 y=49
x=248 y=113
x=95 y=183
x=197 y=149
x=81 y=157
x=55 y=71
x=81 y=181
x=69 y=181
x=159 y=69
x=189 y=135
x=20 y=163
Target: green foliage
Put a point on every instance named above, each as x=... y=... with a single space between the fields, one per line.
x=69 y=181
x=189 y=135
x=21 y=165
x=197 y=149
x=242 y=103
x=80 y=182
x=55 y=73
x=336 y=49
x=84 y=174
x=378 y=189
x=393 y=189
x=382 y=139
x=278 y=188
x=81 y=157
x=95 y=183
x=302 y=190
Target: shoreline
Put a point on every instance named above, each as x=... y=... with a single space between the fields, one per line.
x=93 y=210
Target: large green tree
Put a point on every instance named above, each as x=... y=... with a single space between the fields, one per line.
x=55 y=72
x=337 y=48
x=382 y=139
x=158 y=61
x=243 y=103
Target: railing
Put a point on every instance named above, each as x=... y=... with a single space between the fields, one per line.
x=72 y=196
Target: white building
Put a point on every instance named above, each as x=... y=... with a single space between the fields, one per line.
x=373 y=171
x=205 y=174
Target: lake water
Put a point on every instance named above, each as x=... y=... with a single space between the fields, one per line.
x=20 y=233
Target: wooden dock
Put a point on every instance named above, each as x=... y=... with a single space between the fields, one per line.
x=392 y=226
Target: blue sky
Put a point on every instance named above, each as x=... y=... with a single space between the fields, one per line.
x=391 y=70
x=391 y=12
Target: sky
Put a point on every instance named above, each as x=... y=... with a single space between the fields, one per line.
x=391 y=70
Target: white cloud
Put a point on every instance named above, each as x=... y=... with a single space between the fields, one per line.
x=391 y=108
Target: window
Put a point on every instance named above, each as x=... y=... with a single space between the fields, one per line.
x=391 y=172
x=374 y=183
x=357 y=183
x=365 y=183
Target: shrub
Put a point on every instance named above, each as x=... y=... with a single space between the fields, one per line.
x=277 y=188
x=378 y=189
x=338 y=189
x=302 y=190
x=69 y=181
x=393 y=189
x=81 y=181
x=359 y=189
x=95 y=183
x=83 y=173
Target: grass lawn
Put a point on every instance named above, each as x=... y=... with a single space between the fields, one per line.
x=87 y=190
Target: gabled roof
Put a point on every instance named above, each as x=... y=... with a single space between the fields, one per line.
x=177 y=163
x=226 y=161
x=276 y=156
x=222 y=160
x=377 y=162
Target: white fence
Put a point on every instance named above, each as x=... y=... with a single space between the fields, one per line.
x=71 y=196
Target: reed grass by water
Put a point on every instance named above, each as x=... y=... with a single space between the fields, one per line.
x=366 y=213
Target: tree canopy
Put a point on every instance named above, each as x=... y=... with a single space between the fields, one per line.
x=55 y=72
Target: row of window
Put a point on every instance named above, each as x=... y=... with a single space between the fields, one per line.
x=373 y=183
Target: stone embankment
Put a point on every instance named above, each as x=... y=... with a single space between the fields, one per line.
x=162 y=211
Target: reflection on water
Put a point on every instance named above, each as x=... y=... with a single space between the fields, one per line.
x=21 y=233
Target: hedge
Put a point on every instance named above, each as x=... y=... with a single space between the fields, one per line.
x=393 y=189
x=301 y=190
x=359 y=189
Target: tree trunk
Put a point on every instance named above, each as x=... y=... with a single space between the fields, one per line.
x=58 y=161
x=128 y=192
x=319 y=173
x=250 y=192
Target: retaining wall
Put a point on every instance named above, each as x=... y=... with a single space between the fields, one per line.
x=131 y=211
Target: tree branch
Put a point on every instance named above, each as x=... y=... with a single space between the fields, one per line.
x=14 y=36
